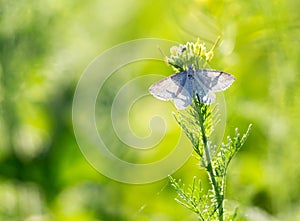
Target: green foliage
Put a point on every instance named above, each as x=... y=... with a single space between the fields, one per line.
x=193 y=198
x=225 y=154
x=197 y=126
x=196 y=122
x=195 y=115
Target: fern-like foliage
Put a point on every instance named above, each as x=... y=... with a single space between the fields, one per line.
x=195 y=115
x=192 y=197
x=197 y=122
x=226 y=153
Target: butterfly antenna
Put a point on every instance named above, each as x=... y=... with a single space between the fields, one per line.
x=163 y=54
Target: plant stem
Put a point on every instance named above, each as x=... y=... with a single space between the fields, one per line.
x=209 y=167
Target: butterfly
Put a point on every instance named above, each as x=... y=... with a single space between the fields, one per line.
x=182 y=86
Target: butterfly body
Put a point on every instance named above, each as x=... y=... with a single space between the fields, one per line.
x=182 y=86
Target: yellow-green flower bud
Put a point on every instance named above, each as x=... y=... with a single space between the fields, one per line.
x=203 y=50
x=209 y=55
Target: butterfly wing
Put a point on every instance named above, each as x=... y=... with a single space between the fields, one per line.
x=214 y=80
x=185 y=97
x=180 y=88
x=177 y=87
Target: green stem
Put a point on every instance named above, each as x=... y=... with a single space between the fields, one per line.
x=209 y=168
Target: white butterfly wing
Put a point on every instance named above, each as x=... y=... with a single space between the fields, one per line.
x=185 y=97
x=180 y=87
x=177 y=87
x=214 y=80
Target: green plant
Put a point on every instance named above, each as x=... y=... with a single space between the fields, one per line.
x=197 y=123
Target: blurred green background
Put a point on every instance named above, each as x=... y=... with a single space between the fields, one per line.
x=46 y=45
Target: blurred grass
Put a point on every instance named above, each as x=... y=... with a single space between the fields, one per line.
x=45 y=46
